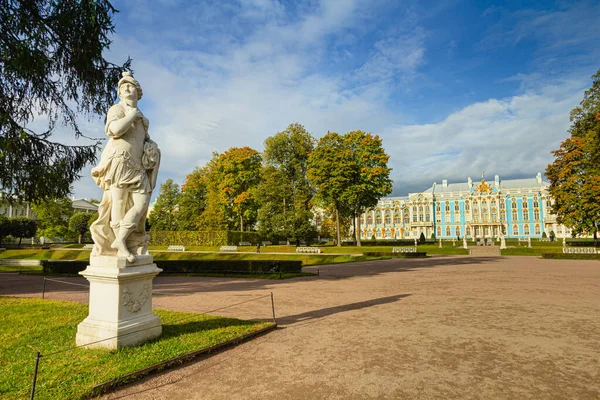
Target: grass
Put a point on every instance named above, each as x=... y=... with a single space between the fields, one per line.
x=72 y=374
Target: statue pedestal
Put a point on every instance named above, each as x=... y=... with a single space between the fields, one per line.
x=120 y=305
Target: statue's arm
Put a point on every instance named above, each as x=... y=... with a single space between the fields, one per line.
x=119 y=122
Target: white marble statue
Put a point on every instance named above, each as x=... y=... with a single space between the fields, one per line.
x=127 y=173
x=465 y=246
x=502 y=243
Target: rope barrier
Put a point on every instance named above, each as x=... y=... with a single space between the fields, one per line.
x=66 y=283
x=174 y=322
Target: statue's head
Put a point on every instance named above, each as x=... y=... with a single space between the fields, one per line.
x=128 y=78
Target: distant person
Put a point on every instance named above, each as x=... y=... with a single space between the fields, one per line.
x=258 y=247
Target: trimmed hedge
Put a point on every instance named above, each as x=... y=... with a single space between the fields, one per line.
x=64 y=266
x=229 y=266
x=188 y=238
x=393 y=242
x=190 y=266
x=581 y=243
x=201 y=238
x=569 y=256
x=418 y=254
x=235 y=237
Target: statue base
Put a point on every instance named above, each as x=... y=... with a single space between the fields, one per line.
x=120 y=304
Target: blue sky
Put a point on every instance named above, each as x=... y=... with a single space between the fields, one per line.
x=452 y=87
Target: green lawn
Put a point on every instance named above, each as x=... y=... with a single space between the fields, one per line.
x=30 y=325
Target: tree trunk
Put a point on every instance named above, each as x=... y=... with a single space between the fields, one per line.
x=595 y=238
x=337 y=223
x=241 y=223
x=79 y=238
x=20 y=242
x=357 y=231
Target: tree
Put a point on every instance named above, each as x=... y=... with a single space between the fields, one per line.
x=284 y=193
x=4 y=227
x=79 y=223
x=22 y=227
x=52 y=213
x=575 y=173
x=193 y=199
x=371 y=179
x=163 y=214
x=350 y=172
x=50 y=58
x=330 y=169
x=237 y=173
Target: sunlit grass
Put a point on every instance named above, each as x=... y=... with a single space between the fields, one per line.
x=30 y=325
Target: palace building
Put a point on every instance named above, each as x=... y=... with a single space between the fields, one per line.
x=517 y=208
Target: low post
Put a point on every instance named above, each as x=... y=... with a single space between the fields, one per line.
x=35 y=372
x=273 y=308
x=44 y=289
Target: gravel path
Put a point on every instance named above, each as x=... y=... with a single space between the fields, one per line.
x=437 y=328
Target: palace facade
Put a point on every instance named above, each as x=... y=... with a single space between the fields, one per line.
x=517 y=208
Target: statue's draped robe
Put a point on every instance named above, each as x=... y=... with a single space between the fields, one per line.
x=118 y=168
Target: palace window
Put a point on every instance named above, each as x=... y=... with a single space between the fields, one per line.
x=502 y=215
x=447 y=209
x=378 y=219
x=476 y=217
x=504 y=229
x=457 y=231
x=502 y=205
x=513 y=204
x=536 y=214
x=415 y=217
x=526 y=230
x=397 y=218
x=515 y=230
x=548 y=203
x=537 y=229
x=420 y=217
x=447 y=231
x=456 y=207
x=525 y=204
x=525 y=215
x=378 y=234
x=467 y=206
x=388 y=234
x=369 y=220
x=493 y=203
x=388 y=218
x=494 y=215
x=427 y=217
x=536 y=203
x=514 y=215
x=439 y=231
x=414 y=209
x=406 y=218
x=468 y=231
x=484 y=203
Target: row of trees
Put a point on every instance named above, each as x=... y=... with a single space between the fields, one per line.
x=575 y=173
x=275 y=192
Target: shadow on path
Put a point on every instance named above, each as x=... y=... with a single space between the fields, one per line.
x=325 y=312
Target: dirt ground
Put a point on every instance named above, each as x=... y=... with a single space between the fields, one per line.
x=437 y=328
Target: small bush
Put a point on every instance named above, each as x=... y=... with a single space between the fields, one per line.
x=422 y=238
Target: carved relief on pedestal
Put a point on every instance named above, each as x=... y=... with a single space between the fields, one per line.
x=135 y=304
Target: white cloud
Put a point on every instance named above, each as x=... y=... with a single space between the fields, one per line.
x=509 y=137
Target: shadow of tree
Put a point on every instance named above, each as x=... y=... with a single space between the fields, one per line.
x=324 y=312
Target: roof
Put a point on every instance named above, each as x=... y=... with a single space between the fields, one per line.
x=84 y=204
